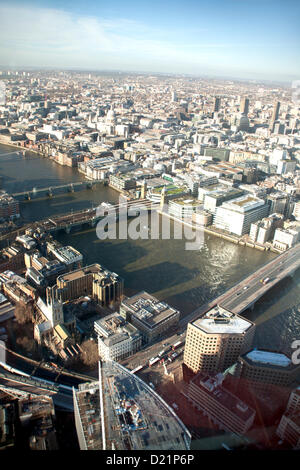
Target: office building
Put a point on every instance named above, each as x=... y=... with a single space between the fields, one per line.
x=296 y=211
x=215 y=341
x=121 y=412
x=263 y=230
x=289 y=429
x=227 y=411
x=9 y=207
x=277 y=155
x=237 y=215
x=263 y=369
x=217 y=104
x=183 y=208
x=122 y=182
x=275 y=114
x=293 y=405
x=244 y=106
x=277 y=202
x=201 y=217
x=152 y=317
x=214 y=198
x=104 y=286
x=279 y=128
x=286 y=238
x=286 y=166
x=243 y=123
x=289 y=426
x=65 y=254
x=117 y=338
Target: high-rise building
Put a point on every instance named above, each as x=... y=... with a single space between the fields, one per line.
x=244 y=107
x=217 y=104
x=275 y=115
x=215 y=341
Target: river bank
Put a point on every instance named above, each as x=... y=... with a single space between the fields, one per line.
x=229 y=237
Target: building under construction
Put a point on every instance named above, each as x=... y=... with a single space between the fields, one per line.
x=121 y=412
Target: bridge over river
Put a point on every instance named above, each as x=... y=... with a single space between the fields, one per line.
x=248 y=291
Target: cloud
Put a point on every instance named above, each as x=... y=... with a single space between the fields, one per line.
x=52 y=37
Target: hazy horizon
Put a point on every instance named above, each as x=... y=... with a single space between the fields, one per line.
x=228 y=39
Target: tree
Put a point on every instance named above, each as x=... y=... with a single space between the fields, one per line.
x=89 y=355
x=24 y=313
x=27 y=344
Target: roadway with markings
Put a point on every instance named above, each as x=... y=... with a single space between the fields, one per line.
x=244 y=294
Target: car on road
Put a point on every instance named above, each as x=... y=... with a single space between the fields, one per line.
x=246 y=287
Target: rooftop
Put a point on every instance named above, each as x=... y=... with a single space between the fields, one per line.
x=268 y=358
x=244 y=203
x=186 y=202
x=148 y=309
x=91 y=269
x=135 y=417
x=221 y=321
x=222 y=396
x=114 y=329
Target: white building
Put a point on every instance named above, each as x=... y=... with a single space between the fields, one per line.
x=183 y=208
x=237 y=215
x=117 y=338
x=277 y=155
x=296 y=212
x=286 y=166
x=285 y=238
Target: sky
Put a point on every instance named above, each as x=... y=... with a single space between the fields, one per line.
x=226 y=38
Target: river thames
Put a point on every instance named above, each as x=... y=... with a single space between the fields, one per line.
x=185 y=279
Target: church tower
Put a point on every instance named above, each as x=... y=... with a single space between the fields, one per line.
x=55 y=307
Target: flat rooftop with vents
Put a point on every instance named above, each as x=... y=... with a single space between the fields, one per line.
x=220 y=320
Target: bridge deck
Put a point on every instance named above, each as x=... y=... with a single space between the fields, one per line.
x=244 y=294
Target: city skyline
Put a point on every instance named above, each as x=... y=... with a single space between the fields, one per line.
x=229 y=39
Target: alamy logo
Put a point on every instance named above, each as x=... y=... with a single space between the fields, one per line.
x=142 y=221
x=296 y=354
